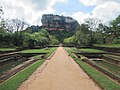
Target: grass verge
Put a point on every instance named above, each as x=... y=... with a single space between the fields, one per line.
x=91 y=50
x=7 y=49
x=108 y=45
x=14 y=82
x=37 y=50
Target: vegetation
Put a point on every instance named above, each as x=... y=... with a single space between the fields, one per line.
x=46 y=50
x=110 y=46
x=91 y=50
x=7 y=49
x=94 y=32
x=102 y=80
x=88 y=33
x=14 y=82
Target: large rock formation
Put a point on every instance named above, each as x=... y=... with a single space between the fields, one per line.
x=56 y=22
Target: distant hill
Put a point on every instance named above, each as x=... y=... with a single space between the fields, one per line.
x=55 y=22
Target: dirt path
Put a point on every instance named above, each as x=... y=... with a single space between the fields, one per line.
x=60 y=73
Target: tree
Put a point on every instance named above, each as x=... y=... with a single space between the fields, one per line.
x=29 y=40
x=53 y=40
x=15 y=25
x=115 y=30
x=42 y=38
x=82 y=35
x=70 y=41
x=92 y=24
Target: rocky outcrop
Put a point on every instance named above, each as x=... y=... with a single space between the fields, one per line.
x=56 y=22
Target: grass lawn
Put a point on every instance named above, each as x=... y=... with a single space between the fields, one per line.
x=91 y=50
x=102 y=80
x=14 y=82
x=7 y=49
x=110 y=67
x=108 y=45
x=38 y=50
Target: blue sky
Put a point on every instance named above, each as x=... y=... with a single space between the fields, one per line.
x=32 y=10
x=72 y=6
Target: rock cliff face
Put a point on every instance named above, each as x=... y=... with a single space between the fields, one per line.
x=56 y=22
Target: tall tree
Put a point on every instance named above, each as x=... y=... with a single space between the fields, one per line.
x=93 y=24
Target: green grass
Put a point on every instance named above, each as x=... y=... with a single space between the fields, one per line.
x=108 y=45
x=37 y=50
x=14 y=82
x=47 y=55
x=88 y=50
x=7 y=49
x=110 y=67
x=37 y=56
x=102 y=80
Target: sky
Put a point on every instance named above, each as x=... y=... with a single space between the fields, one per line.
x=32 y=10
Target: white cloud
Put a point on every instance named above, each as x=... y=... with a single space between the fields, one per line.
x=105 y=10
x=80 y=16
x=30 y=10
x=96 y=2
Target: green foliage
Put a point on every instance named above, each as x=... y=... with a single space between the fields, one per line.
x=29 y=40
x=82 y=35
x=6 y=38
x=70 y=40
x=61 y=35
x=53 y=40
